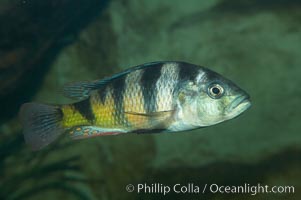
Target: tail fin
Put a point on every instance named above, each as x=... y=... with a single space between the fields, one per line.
x=41 y=124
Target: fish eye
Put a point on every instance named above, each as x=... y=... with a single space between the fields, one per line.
x=215 y=91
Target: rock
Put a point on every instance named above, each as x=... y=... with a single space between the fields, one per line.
x=32 y=34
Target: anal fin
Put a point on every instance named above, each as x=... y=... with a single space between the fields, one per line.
x=81 y=132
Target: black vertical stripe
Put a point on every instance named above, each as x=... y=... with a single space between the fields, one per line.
x=188 y=72
x=102 y=93
x=148 y=82
x=85 y=109
x=119 y=86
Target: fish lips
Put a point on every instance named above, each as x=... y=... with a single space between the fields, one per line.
x=239 y=104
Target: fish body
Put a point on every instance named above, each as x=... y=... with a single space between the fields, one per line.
x=153 y=97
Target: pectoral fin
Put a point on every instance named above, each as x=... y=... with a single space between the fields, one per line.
x=150 y=121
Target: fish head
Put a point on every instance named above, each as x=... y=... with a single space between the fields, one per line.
x=212 y=99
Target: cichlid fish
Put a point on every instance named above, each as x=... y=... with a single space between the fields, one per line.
x=153 y=97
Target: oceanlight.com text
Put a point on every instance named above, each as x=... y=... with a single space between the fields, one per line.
x=192 y=188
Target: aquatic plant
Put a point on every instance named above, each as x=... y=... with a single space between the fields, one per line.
x=26 y=174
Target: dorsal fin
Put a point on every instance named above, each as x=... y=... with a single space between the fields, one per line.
x=82 y=90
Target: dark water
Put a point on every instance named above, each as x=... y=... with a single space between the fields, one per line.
x=45 y=44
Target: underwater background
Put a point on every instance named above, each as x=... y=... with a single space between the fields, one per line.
x=255 y=43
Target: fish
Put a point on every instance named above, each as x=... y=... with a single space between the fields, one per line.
x=156 y=97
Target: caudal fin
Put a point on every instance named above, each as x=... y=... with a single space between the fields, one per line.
x=41 y=124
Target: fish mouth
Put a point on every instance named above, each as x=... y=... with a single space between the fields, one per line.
x=239 y=104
